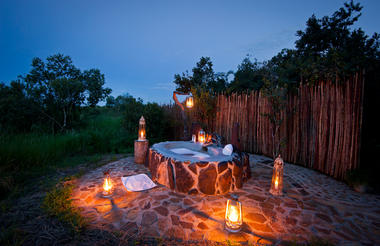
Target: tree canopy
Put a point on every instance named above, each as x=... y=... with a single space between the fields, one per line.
x=52 y=92
x=328 y=48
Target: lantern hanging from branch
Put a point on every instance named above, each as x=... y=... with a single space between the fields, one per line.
x=202 y=136
x=189 y=102
x=233 y=218
x=107 y=185
x=142 y=132
x=277 y=177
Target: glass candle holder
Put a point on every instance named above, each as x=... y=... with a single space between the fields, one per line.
x=277 y=177
x=233 y=217
x=107 y=186
x=142 y=132
x=202 y=136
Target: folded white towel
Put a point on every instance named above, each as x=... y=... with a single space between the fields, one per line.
x=228 y=149
x=138 y=182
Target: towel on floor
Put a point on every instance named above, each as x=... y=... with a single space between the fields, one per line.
x=138 y=182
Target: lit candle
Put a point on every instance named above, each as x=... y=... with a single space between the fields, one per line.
x=141 y=133
x=277 y=177
x=233 y=215
x=201 y=139
x=233 y=218
x=201 y=136
x=189 y=102
x=107 y=185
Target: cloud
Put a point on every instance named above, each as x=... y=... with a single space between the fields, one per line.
x=265 y=47
x=163 y=86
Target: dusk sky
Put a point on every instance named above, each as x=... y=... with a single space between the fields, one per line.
x=140 y=45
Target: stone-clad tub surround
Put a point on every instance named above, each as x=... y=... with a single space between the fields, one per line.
x=185 y=167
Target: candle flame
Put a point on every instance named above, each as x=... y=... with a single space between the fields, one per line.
x=233 y=214
x=202 y=139
x=189 y=102
x=276 y=183
x=107 y=186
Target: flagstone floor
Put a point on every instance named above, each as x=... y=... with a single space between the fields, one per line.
x=313 y=205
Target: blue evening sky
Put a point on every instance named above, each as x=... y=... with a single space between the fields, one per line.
x=140 y=45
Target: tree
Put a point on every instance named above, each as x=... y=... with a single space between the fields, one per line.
x=203 y=76
x=249 y=76
x=203 y=73
x=204 y=84
x=94 y=82
x=110 y=102
x=17 y=112
x=53 y=91
x=57 y=87
x=327 y=48
x=221 y=82
x=184 y=82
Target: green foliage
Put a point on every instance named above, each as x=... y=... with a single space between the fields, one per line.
x=50 y=95
x=58 y=203
x=204 y=106
x=203 y=76
x=328 y=48
x=249 y=76
x=16 y=109
x=204 y=84
x=159 y=124
x=11 y=236
x=26 y=156
x=94 y=82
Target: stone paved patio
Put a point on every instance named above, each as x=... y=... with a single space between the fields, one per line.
x=313 y=205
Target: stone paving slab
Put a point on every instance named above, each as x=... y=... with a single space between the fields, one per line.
x=313 y=205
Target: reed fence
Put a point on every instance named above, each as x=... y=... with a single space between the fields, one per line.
x=322 y=126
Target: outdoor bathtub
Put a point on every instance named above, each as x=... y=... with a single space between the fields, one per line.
x=185 y=167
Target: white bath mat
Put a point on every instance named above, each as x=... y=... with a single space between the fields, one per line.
x=138 y=182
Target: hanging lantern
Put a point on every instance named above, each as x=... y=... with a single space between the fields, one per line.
x=277 y=177
x=107 y=185
x=142 y=132
x=189 y=102
x=233 y=218
x=202 y=136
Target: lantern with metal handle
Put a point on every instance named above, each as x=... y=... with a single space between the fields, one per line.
x=142 y=132
x=277 y=177
x=233 y=218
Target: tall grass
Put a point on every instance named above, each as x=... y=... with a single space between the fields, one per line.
x=25 y=156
